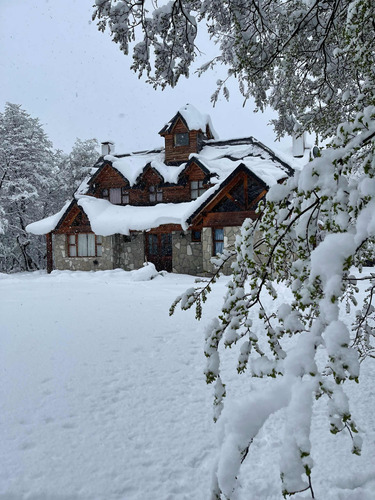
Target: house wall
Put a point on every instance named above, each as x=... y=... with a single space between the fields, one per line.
x=187 y=255
x=230 y=233
x=129 y=251
x=140 y=195
x=62 y=261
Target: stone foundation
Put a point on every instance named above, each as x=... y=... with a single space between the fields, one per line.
x=128 y=253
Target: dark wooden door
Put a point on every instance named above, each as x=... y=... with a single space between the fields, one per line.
x=159 y=250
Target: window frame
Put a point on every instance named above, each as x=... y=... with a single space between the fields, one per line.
x=194 y=236
x=155 y=194
x=98 y=245
x=123 y=195
x=185 y=139
x=199 y=189
x=216 y=241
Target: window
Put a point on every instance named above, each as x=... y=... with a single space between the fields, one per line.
x=152 y=244
x=84 y=245
x=155 y=194
x=196 y=189
x=181 y=139
x=196 y=235
x=125 y=198
x=117 y=196
x=218 y=240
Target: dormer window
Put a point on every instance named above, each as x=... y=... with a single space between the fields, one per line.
x=181 y=139
x=155 y=194
x=196 y=189
x=117 y=196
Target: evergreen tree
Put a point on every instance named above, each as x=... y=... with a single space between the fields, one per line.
x=83 y=156
x=312 y=61
x=26 y=168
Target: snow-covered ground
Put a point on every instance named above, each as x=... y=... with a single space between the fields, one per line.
x=103 y=397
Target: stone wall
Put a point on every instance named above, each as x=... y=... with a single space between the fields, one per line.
x=187 y=255
x=62 y=261
x=230 y=233
x=129 y=251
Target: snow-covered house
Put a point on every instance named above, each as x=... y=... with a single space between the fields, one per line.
x=176 y=206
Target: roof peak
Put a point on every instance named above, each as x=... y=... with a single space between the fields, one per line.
x=193 y=119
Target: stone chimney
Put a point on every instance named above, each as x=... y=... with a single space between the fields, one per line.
x=108 y=148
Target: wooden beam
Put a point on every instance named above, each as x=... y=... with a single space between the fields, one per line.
x=49 y=253
x=259 y=197
x=236 y=202
x=220 y=219
x=245 y=187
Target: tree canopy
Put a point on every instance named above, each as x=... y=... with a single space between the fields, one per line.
x=35 y=181
x=312 y=61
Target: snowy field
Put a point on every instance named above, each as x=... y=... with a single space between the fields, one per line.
x=103 y=397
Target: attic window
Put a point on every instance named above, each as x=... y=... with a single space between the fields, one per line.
x=181 y=139
x=117 y=196
x=155 y=194
x=196 y=189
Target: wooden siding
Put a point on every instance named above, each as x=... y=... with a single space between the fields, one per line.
x=75 y=221
x=165 y=228
x=107 y=178
x=180 y=153
x=194 y=173
x=139 y=194
x=221 y=219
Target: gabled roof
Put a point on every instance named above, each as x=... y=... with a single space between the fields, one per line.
x=214 y=194
x=194 y=161
x=192 y=119
x=216 y=158
x=220 y=161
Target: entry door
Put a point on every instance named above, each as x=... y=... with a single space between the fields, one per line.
x=159 y=250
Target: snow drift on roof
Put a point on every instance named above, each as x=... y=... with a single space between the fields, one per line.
x=47 y=225
x=194 y=119
x=107 y=219
x=220 y=158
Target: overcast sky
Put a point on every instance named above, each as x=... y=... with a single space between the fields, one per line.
x=62 y=70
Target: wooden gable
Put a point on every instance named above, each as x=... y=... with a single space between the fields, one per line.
x=151 y=177
x=178 y=154
x=74 y=221
x=236 y=201
x=107 y=177
x=194 y=171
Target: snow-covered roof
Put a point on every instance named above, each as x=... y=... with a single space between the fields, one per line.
x=48 y=224
x=220 y=159
x=106 y=218
x=194 y=119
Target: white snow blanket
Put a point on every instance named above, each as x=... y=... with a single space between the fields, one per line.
x=103 y=397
